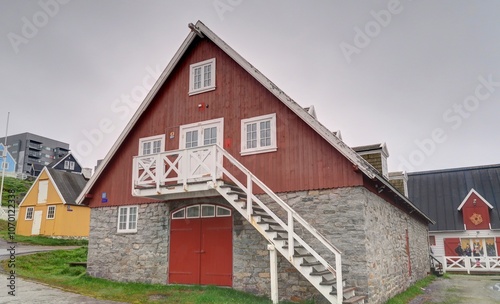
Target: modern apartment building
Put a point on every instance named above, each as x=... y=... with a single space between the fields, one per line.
x=32 y=152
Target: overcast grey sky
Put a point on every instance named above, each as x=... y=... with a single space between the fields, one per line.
x=422 y=76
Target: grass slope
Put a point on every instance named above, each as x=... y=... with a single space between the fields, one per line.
x=52 y=268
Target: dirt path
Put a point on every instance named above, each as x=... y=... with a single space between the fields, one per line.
x=458 y=289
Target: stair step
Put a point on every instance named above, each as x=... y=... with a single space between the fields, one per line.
x=271 y=229
x=266 y=216
x=320 y=273
x=302 y=255
x=240 y=194
x=296 y=246
x=232 y=187
x=345 y=290
x=281 y=238
x=355 y=300
x=328 y=282
x=310 y=264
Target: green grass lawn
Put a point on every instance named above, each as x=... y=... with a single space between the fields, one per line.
x=38 y=240
x=412 y=292
x=52 y=268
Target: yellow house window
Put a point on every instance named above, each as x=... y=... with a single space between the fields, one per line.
x=51 y=212
x=29 y=213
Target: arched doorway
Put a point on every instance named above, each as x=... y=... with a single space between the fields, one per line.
x=201 y=245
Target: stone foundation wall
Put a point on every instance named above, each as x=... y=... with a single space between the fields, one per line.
x=370 y=233
x=129 y=257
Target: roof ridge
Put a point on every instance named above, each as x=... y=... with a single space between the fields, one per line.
x=437 y=171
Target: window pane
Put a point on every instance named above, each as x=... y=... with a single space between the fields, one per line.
x=265 y=133
x=179 y=214
x=210 y=136
x=132 y=224
x=251 y=135
x=207 y=75
x=192 y=139
x=193 y=211
x=490 y=247
x=207 y=211
x=197 y=78
x=123 y=219
x=223 y=211
x=156 y=146
x=146 y=148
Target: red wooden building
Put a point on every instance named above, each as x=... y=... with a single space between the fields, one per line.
x=218 y=165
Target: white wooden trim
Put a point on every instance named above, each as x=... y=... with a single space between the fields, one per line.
x=479 y=195
x=142 y=140
x=192 y=90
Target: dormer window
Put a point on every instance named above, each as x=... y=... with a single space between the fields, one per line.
x=69 y=165
x=202 y=77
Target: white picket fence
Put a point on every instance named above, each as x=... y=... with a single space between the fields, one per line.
x=471 y=264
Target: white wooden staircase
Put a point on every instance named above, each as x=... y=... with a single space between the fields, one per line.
x=201 y=170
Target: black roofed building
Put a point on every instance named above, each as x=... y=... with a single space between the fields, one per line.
x=465 y=204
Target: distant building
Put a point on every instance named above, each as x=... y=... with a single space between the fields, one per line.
x=8 y=163
x=32 y=152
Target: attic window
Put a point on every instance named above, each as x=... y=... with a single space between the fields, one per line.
x=202 y=77
x=69 y=165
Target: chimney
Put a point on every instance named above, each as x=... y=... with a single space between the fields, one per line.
x=376 y=155
x=87 y=173
x=400 y=181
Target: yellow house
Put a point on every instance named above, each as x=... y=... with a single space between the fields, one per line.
x=49 y=207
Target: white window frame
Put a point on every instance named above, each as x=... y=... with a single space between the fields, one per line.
x=69 y=165
x=152 y=139
x=43 y=191
x=203 y=88
x=127 y=228
x=256 y=120
x=29 y=211
x=5 y=165
x=53 y=213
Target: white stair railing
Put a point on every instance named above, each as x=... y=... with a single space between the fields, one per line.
x=292 y=218
x=207 y=164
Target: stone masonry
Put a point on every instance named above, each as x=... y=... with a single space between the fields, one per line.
x=371 y=233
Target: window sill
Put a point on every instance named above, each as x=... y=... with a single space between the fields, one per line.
x=259 y=151
x=199 y=91
x=127 y=232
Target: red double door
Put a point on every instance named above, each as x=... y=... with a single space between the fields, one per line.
x=201 y=251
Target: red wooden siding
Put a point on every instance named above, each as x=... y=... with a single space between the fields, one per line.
x=304 y=160
x=476 y=217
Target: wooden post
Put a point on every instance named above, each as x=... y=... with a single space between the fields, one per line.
x=274 y=272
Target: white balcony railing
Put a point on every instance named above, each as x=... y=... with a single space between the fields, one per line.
x=175 y=167
x=471 y=263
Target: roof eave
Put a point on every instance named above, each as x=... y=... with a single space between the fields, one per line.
x=147 y=100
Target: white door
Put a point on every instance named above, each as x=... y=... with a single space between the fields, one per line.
x=37 y=222
x=201 y=161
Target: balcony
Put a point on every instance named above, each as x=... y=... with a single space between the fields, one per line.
x=34 y=146
x=34 y=154
x=177 y=174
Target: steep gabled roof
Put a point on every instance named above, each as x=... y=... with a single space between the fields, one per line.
x=439 y=193
x=68 y=185
x=204 y=32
